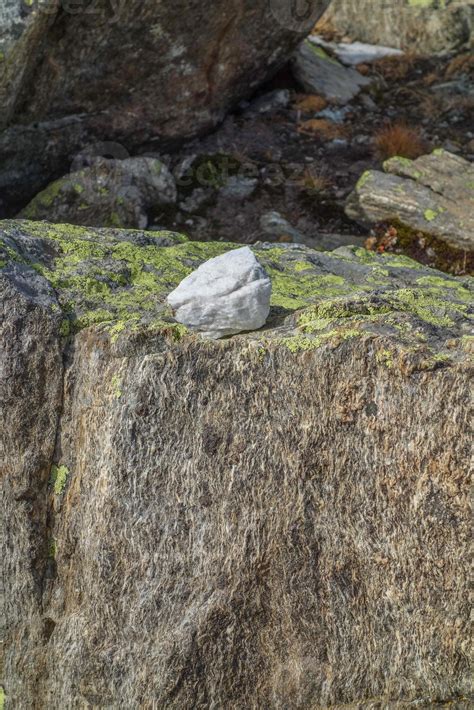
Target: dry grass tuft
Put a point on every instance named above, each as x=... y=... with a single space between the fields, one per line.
x=313 y=181
x=321 y=126
x=310 y=103
x=395 y=68
x=399 y=139
x=325 y=28
x=464 y=63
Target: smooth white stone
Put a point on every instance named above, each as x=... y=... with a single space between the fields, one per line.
x=224 y=296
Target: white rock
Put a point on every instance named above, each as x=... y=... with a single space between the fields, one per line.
x=224 y=296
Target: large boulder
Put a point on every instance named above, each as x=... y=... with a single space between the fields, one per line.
x=429 y=199
x=422 y=26
x=138 y=72
x=277 y=520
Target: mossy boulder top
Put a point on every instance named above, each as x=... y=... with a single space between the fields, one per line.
x=118 y=280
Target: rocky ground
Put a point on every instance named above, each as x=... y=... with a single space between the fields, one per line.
x=284 y=165
x=289 y=157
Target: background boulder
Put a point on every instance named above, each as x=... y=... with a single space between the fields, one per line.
x=279 y=520
x=139 y=72
x=429 y=199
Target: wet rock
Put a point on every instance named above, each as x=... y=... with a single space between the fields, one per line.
x=319 y=73
x=224 y=296
x=296 y=497
x=108 y=193
x=136 y=72
x=433 y=195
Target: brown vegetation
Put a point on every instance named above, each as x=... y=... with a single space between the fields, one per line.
x=309 y=103
x=395 y=68
x=399 y=139
x=327 y=129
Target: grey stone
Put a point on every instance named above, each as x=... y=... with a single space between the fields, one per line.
x=271 y=101
x=433 y=194
x=108 y=193
x=274 y=225
x=318 y=73
x=239 y=188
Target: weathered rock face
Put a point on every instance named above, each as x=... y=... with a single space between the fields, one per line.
x=278 y=520
x=423 y=26
x=430 y=198
x=139 y=72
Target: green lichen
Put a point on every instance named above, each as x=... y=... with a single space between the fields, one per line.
x=117 y=386
x=320 y=315
x=426 y=305
x=430 y=215
x=301 y=343
x=44 y=199
x=319 y=52
x=385 y=357
x=52 y=549
x=58 y=478
x=2 y=698
x=437 y=286
x=364 y=179
x=65 y=328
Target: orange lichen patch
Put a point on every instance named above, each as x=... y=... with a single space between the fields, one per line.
x=310 y=103
x=321 y=126
x=399 y=139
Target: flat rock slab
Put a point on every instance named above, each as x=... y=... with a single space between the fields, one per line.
x=276 y=520
x=433 y=195
x=318 y=73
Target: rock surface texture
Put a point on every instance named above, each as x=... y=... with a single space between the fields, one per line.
x=424 y=26
x=430 y=198
x=226 y=295
x=139 y=72
x=278 y=520
x=107 y=193
x=319 y=73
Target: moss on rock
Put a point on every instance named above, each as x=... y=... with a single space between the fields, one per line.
x=119 y=280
